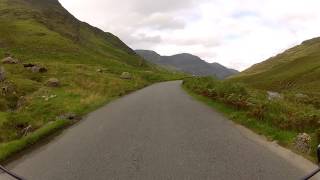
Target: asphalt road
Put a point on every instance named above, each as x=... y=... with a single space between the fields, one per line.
x=159 y=132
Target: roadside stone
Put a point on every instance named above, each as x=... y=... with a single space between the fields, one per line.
x=126 y=75
x=302 y=143
x=2 y=74
x=99 y=70
x=38 y=69
x=35 y=68
x=53 y=82
x=274 y=95
x=68 y=116
x=9 y=60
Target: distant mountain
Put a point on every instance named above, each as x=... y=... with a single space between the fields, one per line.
x=296 y=69
x=188 y=63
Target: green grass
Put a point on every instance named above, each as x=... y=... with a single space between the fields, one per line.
x=297 y=69
x=10 y=148
x=42 y=32
x=272 y=133
x=82 y=90
x=279 y=120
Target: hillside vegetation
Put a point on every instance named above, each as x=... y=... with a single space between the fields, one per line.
x=62 y=69
x=279 y=118
x=297 y=69
x=279 y=97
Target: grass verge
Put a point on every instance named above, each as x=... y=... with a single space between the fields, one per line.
x=284 y=138
x=13 y=147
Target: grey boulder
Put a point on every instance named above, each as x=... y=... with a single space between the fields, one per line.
x=53 y=82
x=126 y=75
x=9 y=60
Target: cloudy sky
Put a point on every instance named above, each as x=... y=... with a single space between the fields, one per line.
x=235 y=33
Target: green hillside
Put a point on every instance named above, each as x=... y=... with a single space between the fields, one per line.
x=292 y=108
x=45 y=30
x=296 y=69
x=49 y=43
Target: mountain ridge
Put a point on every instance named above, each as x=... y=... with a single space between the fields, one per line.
x=188 y=63
x=49 y=15
x=297 y=68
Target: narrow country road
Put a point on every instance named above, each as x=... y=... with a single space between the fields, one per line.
x=157 y=133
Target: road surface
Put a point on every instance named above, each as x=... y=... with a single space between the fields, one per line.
x=159 y=132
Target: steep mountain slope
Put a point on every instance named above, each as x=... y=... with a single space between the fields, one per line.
x=295 y=69
x=54 y=68
x=45 y=26
x=223 y=71
x=187 y=63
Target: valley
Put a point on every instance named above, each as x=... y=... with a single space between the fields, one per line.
x=77 y=102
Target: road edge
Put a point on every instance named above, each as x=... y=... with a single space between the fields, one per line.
x=293 y=158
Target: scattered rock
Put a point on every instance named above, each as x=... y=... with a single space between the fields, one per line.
x=68 y=116
x=99 y=70
x=9 y=60
x=35 y=68
x=126 y=75
x=274 y=95
x=53 y=82
x=38 y=69
x=2 y=74
x=302 y=143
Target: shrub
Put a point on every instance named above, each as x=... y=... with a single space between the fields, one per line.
x=287 y=114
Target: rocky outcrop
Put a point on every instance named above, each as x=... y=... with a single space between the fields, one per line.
x=302 y=143
x=99 y=70
x=68 y=116
x=53 y=82
x=274 y=95
x=9 y=60
x=35 y=68
x=126 y=75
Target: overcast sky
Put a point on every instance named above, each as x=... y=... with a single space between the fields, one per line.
x=235 y=33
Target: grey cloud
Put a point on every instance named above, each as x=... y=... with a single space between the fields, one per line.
x=143 y=38
x=207 y=42
x=162 y=21
x=170 y=26
x=152 y=6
